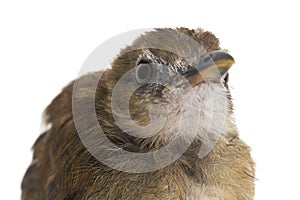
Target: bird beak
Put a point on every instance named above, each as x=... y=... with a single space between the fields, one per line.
x=212 y=67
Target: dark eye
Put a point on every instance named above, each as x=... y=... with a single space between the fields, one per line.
x=143 y=73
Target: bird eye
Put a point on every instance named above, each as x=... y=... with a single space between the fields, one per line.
x=143 y=73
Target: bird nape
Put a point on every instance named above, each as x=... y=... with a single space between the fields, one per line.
x=156 y=125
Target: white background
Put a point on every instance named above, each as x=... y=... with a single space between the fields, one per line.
x=43 y=45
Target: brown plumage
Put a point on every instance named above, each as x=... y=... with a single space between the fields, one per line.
x=62 y=167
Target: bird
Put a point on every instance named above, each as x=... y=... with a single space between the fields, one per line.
x=157 y=124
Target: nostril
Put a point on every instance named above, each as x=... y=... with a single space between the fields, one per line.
x=206 y=58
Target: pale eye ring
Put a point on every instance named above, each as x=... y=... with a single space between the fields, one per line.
x=143 y=73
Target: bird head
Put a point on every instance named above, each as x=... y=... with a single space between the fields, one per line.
x=168 y=83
